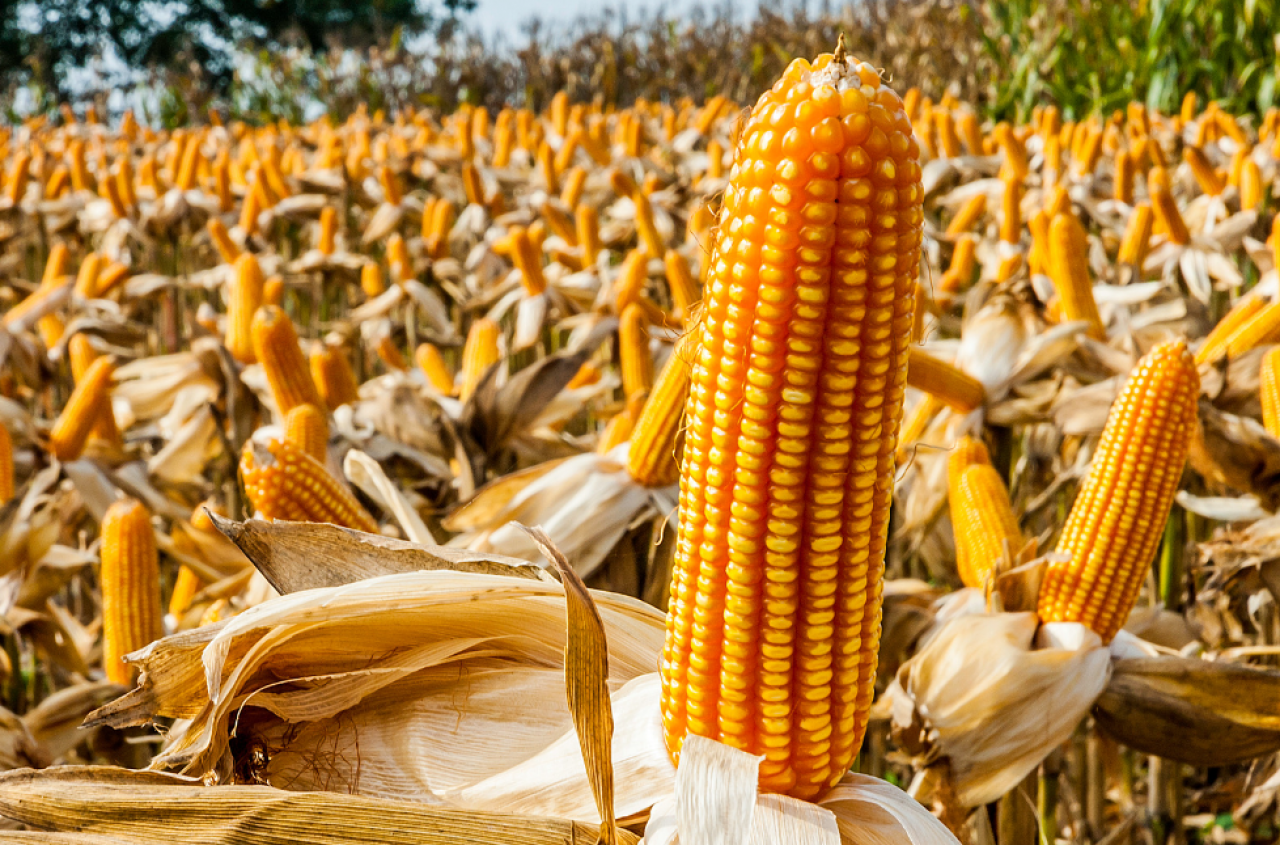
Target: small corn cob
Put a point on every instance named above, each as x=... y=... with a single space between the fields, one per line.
x=328 y=229
x=915 y=424
x=478 y=355
x=616 y=431
x=1215 y=343
x=651 y=459
x=646 y=230
x=185 y=587
x=587 y=375
x=968 y=214
x=680 y=281
x=431 y=362
x=244 y=297
x=1126 y=169
x=587 y=223
x=87 y=278
x=982 y=518
x=796 y=394
x=956 y=388
x=1115 y=525
x=81 y=354
x=131 y=614
x=559 y=223
x=6 y=465
x=112 y=275
x=226 y=247
x=1011 y=220
x=1269 y=391
x=1209 y=179
x=307 y=428
x=1262 y=328
x=1069 y=269
x=528 y=261
x=1137 y=236
x=88 y=402
x=1168 y=217
x=275 y=345
x=332 y=375
x=284 y=482
x=632 y=277
x=574 y=182
x=1251 y=185
x=633 y=351
x=960 y=271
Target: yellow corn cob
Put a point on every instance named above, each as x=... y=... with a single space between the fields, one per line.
x=1008 y=268
x=633 y=351
x=110 y=191
x=1069 y=269
x=1269 y=391
x=112 y=275
x=131 y=615
x=960 y=272
x=571 y=193
x=87 y=278
x=88 y=402
x=1209 y=179
x=222 y=183
x=632 y=277
x=1086 y=157
x=1188 y=110
x=244 y=297
x=1215 y=343
x=431 y=362
x=1126 y=169
x=328 y=230
x=275 y=345
x=646 y=230
x=684 y=288
x=391 y=186
x=587 y=375
x=956 y=388
x=1168 y=217
x=559 y=223
x=1262 y=328
x=915 y=424
x=442 y=219
x=371 y=280
x=651 y=458
x=968 y=214
x=332 y=375
x=250 y=210
x=18 y=178
x=478 y=355
x=55 y=267
x=307 y=428
x=185 y=587
x=616 y=431
x=983 y=521
x=1137 y=236
x=391 y=354
x=1251 y=186
x=81 y=354
x=6 y=465
x=284 y=482
x=528 y=261
x=1115 y=525
x=547 y=168
x=795 y=399
x=226 y=247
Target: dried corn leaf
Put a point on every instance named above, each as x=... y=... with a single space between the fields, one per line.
x=1194 y=711
x=163 y=809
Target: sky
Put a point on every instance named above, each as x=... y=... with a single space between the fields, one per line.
x=507 y=16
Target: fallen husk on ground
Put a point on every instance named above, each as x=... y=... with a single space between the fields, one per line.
x=439 y=686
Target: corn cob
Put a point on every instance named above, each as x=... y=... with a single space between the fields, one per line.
x=88 y=402
x=960 y=271
x=1251 y=186
x=273 y=291
x=328 y=230
x=226 y=247
x=81 y=354
x=796 y=394
x=1137 y=236
x=571 y=193
x=391 y=354
x=651 y=458
x=1269 y=391
x=284 y=482
x=332 y=375
x=1069 y=269
x=244 y=296
x=275 y=345
x=633 y=351
x=131 y=615
x=587 y=223
x=528 y=261
x=6 y=465
x=87 y=278
x=559 y=223
x=1168 y=217
x=432 y=364
x=1011 y=221
x=307 y=428
x=1126 y=169
x=680 y=281
x=1215 y=343
x=478 y=355
x=185 y=586
x=616 y=431
x=632 y=277
x=16 y=189
x=914 y=425
x=1209 y=179
x=112 y=275
x=1262 y=328
x=587 y=375
x=646 y=230
x=956 y=388
x=1115 y=525
x=983 y=520
x=968 y=214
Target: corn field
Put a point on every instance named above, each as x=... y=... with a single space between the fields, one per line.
x=813 y=462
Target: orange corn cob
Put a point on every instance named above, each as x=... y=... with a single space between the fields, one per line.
x=616 y=431
x=1069 y=269
x=587 y=223
x=471 y=184
x=571 y=193
x=680 y=281
x=478 y=355
x=1115 y=525
x=244 y=297
x=226 y=247
x=273 y=291
x=88 y=402
x=391 y=354
x=1011 y=221
x=391 y=185
x=332 y=375
x=87 y=278
x=6 y=465
x=284 y=482
x=1209 y=179
x=968 y=214
x=81 y=355
x=1251 y=186
x=1215 y=343
x=631 y=281
x=960 y=272
x=371 y=280
x=130 y=577
x=956 y=388
x=633 y=351
x=528 y=261
x=185 y=586
x=981 y=516
x=1168 y=217
x=796 y=394
x=431 y=362
x=646 y=231
x=915 y=424
x=622 y=183
x=307 y=428
x=18 y=178
x=559 y=223
x=1126 y=168
x=328 y=230
x=275 y=345
x=587 y=375
x=651 y=459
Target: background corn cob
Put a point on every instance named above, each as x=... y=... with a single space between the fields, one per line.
x=332 y=375
x=1215 y=343
x=982 y=517
x=275 y=345
x=1115 y=525
x=244 y=296
x=651 y=459
x=800 y=365
x=283 y=482
x=6 y=465
x=131 y=615
x=307 y=428
x=1269 y=391
x=634 y=354
x=432 y=364
x=1069 y=269
x=956 y=388
x=81 y=354
x=478 y=355
x=88 y=402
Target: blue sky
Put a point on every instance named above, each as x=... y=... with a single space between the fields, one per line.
x=507 y=16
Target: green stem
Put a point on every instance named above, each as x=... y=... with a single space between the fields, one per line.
x=1171 y=554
